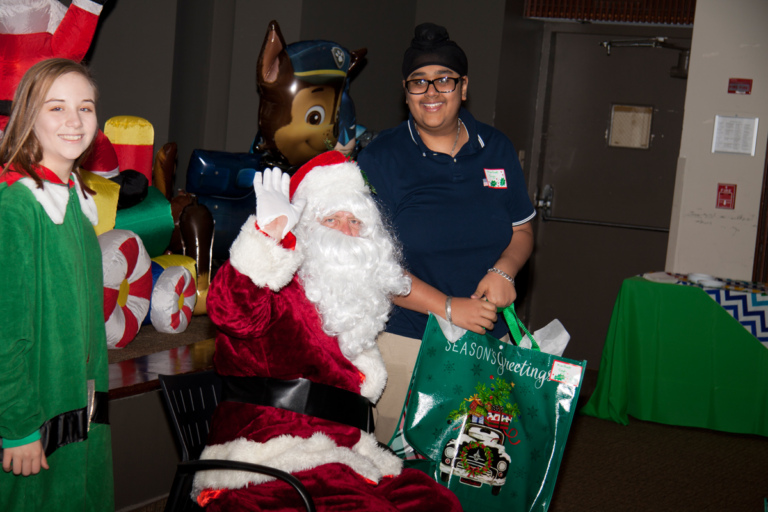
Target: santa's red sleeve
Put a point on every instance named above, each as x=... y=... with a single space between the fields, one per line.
x=238 y=300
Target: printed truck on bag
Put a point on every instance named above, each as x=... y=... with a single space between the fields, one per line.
x=478 y=456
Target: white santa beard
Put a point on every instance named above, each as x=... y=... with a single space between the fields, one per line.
x=350 y=280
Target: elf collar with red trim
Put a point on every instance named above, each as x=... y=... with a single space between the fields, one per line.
x=54 y=196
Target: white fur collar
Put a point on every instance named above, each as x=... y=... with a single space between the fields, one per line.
x=293 y=454
x=262 y=259
x=54 y=197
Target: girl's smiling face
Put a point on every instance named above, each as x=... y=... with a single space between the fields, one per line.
x=66 y=124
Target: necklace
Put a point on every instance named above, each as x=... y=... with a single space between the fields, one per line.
x=458 y=133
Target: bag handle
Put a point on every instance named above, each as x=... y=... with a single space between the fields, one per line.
x=515 y=325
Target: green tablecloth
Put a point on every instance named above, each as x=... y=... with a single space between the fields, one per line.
x=674 y=356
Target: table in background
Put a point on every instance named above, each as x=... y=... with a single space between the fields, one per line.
x=673 y=355
x=143 y=443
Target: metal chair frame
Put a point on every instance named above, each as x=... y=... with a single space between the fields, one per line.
x=191 y=400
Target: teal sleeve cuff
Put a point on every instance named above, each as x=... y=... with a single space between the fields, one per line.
x=13 y=443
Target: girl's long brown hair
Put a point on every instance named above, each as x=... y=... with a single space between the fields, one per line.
x=19 y=149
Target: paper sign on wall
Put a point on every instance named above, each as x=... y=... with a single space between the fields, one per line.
x=734 y=134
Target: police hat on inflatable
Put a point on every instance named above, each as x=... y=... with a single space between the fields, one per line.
x=319 y=62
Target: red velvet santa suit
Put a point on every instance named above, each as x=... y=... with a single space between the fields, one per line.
x=44 y=29
x=268 y=328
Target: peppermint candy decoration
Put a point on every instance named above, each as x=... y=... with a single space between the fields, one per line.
x=127 y=285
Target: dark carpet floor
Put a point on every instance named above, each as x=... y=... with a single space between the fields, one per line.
x=647 y=466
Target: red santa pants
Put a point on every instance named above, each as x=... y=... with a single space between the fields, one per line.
x=337 y=488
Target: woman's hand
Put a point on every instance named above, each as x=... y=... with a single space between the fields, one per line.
x=25 y=460
x=496 y=289
x=473 y=314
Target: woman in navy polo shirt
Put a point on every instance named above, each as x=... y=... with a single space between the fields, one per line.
x=454 y=192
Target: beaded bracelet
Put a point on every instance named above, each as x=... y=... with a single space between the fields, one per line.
x=448 y=309
x=503 y=274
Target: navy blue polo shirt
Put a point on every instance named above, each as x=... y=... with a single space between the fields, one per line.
x=452 y=215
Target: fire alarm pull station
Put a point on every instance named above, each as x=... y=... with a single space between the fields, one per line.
x=726 y=196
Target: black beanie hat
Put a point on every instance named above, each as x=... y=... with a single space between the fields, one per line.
x=431 y=45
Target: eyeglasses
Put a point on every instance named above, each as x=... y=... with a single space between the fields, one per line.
x=443 y=84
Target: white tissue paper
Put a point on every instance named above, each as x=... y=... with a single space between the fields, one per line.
x=451 y=332
x=552 y=338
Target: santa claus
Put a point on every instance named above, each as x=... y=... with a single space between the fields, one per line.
x=298 y=318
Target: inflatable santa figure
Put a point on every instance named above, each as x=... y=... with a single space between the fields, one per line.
x=34 y=30
x=298 y=317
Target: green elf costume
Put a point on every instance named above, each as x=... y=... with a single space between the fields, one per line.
x=53 y=352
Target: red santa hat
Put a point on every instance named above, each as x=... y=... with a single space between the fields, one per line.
x=103 y=158
x=329 y=182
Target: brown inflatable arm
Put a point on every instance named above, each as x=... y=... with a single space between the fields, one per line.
x=164 y=169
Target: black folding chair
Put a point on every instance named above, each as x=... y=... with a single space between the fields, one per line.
x=191 y=399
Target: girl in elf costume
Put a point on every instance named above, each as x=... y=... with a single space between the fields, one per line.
x=55 y=440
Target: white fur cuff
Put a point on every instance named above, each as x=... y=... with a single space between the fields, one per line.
x=262 y=259
x=371 y=364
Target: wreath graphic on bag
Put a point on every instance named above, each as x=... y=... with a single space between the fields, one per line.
x=473 y=469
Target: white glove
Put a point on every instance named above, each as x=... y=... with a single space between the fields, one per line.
x=273 y=199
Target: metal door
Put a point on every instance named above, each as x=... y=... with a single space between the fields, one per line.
x=610 y=210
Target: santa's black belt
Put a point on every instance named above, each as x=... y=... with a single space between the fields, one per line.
x=302 y=396
x=5 y=107
x=72 y=426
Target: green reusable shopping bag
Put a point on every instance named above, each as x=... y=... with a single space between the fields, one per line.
x=489 y=419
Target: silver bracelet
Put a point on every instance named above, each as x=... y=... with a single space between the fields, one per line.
x=502 y=274
x=448 y=309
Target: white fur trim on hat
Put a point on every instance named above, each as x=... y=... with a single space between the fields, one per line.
x=331 y=185
x=293 y=454
x=262 y=258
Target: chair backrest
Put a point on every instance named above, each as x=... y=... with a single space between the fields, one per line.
x=191 y=398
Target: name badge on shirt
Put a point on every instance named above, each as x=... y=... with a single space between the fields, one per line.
x=495 y=178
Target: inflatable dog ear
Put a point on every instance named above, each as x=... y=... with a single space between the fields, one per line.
x=300 y=88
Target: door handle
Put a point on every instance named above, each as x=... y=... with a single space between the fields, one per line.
x=544 y=203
